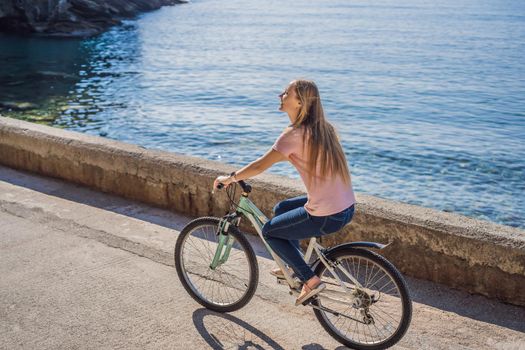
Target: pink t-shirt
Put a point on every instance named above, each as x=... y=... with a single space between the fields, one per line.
x=326 y=196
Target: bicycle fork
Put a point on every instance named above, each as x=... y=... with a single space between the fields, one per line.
x=224 y=245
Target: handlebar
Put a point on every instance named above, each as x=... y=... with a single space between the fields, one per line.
x=245 y=187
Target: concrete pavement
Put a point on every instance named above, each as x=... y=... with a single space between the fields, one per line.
x=85 y=270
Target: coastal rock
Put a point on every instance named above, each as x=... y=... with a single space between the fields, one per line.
x=70 y=18
x=17 y=106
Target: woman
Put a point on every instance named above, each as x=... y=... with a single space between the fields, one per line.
x=310 y=143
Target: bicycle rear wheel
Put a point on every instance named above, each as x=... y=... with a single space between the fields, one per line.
x=230 y=285
x=373 y=317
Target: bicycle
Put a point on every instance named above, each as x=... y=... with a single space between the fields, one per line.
x=218 y=268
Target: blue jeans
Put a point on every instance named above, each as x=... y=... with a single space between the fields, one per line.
x=291 y=223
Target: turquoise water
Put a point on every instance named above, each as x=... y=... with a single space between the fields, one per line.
x=428 y=99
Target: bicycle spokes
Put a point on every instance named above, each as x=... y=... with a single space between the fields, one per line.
x=365 y=301
x=218 y=270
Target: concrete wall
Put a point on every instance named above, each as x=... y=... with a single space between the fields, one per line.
x=472 y=255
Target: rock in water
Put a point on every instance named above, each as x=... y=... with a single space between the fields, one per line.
x=70 y=18
x=17 y=106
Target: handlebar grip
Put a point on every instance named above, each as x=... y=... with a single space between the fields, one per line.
x=245 y=187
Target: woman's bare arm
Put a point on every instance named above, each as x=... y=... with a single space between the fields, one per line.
x=260 y=165
x=254 y=168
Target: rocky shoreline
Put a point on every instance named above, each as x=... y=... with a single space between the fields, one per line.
x=70 y=18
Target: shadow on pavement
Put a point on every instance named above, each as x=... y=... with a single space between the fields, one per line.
x=476 y=307
x=224 y=331
x=81 y=194
x=429 y=293
x=315 y=346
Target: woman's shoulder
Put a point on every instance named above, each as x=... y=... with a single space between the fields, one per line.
x=291 y=140
x=290 y=134
x=290 y=129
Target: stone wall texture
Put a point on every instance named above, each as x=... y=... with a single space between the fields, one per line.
x=472 y=255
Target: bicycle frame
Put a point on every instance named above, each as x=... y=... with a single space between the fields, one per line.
x=257 y=218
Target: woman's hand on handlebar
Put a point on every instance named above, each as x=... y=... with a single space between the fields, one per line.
x=225 y=180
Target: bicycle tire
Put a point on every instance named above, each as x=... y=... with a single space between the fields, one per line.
x=373 y=260
x=219 y=281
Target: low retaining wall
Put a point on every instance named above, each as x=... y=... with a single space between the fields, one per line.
x=471 y=255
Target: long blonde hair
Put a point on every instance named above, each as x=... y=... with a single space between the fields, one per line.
x=323 y=145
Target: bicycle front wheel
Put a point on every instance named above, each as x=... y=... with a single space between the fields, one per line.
x=373 y=316
x=226 y=287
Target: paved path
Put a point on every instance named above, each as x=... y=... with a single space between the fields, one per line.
x=85 y=270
